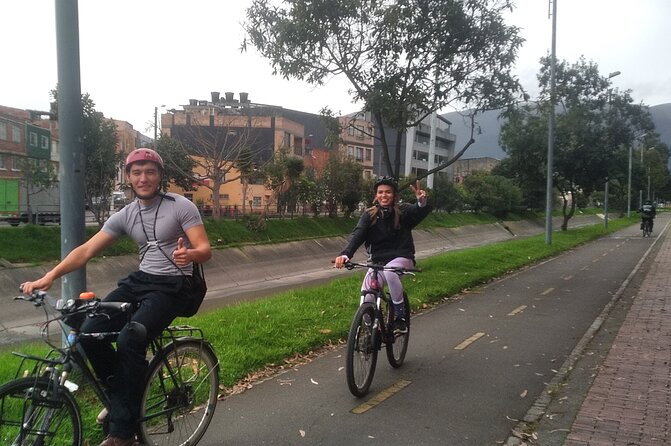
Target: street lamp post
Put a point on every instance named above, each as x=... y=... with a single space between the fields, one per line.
x=631 y=148
x=605 y=200
x=156 y=123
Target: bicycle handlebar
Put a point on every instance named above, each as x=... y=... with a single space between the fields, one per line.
x=379 y=267
x=69 y=307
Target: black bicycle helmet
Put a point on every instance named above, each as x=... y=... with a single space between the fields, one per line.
x=387 y=181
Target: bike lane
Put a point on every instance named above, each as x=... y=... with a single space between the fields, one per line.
x=475 y=364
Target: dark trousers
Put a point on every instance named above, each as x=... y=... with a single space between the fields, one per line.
x=650 y=219
x=123 y=371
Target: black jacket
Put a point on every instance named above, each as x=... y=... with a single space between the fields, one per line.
x=383 y=242
x=648 y=211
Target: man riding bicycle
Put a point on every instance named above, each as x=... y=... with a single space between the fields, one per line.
x=170 y=235
x=386 y=230
x=648 y=213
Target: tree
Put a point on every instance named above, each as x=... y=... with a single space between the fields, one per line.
x=343 y=184
x=37 y=175
x=493 y=193
x=102 y=159
x=404 y=59
x=594 y=128
x=282 y=174
x=178 y=164
x=219 y=147
x=447 y=195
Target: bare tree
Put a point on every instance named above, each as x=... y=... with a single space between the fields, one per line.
x=223 y=148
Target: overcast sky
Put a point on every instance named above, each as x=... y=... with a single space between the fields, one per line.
x=136 y=55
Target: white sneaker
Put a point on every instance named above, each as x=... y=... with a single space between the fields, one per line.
x=102 y=416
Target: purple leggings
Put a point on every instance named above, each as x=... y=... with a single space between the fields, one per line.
x=392 y=279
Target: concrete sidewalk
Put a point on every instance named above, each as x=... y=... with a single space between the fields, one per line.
x=629 y=402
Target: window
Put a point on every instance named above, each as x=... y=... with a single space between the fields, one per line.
x=15 y=164
x=16 y=133
x=32 y=138
x=3 y=166
x=350 y=151
x=359 y=153
x=45 y=142
x=359 y=133
x=225 y=197
x=369 y=154
x=350 y=130
x=420 y=156
x=256 y=202
x=3 y=131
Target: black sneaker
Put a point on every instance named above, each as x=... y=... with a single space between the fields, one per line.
x=400 y=326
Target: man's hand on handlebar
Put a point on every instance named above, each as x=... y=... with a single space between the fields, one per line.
x=42 y=284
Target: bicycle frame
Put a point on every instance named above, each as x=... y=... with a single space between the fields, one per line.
x=377 y=290
x=370 y=328
x=59 y=362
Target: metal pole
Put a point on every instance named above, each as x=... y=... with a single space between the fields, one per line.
x=631 y=147
x=72 y=169
x=605 y=207
x=551 y=129
x=155 y=125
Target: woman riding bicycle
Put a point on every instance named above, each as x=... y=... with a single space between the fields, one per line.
x=386 y=231
x=170 y=236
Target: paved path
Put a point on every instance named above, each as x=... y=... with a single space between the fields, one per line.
x=629 y=402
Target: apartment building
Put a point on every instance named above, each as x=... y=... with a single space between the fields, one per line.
x=358 y=141
x=26 y=136
x=423 y=148
x=228 y=122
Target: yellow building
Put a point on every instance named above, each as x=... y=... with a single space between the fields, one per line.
x=217 y=133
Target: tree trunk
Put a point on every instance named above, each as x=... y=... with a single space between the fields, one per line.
x=216 y=201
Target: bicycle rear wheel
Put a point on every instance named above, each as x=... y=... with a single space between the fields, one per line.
x=361 y=351
x=397 y=348
x=181 y=394
x=34 y=412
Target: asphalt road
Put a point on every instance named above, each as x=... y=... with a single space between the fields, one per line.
x=474 y=368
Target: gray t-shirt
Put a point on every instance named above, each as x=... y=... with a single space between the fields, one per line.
x=165 y=220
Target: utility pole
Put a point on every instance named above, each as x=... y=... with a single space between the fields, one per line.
x=551 y=130
x=72 y=169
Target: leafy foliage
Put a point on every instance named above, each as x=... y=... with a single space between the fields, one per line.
x=594 y=128
x=102 y=159
x=343 y=184
x=404 y=59
x=493 y=193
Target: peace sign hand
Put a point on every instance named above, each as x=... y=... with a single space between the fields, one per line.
x=419 y=193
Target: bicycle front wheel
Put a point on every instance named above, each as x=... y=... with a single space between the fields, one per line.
x=181 y=395
x=398 y=346
x=361 y=351
x=35 y=412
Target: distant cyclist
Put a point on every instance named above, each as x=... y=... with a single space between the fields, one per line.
x=648 y=213
x=386 y=230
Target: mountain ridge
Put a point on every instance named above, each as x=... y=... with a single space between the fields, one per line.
x=487 y=135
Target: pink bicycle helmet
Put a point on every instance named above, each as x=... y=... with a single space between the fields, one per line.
x=143 y=154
